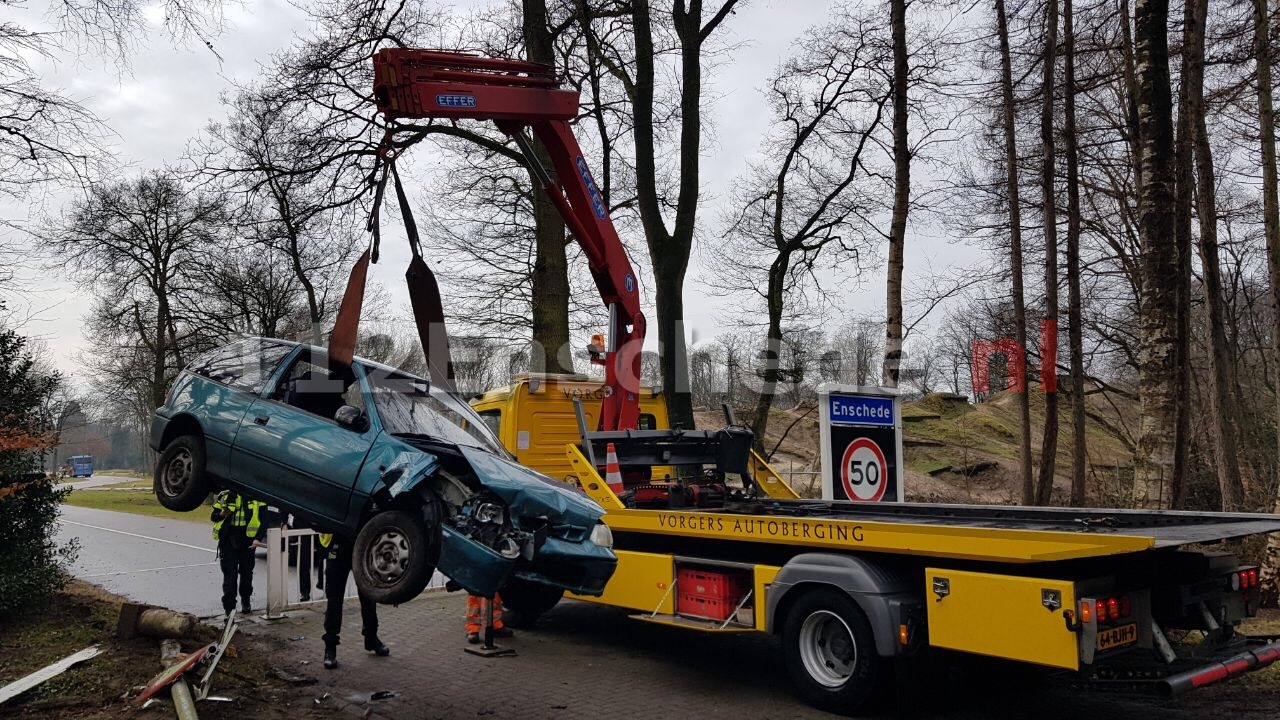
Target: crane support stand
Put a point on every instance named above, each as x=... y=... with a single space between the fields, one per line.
x=489 y=649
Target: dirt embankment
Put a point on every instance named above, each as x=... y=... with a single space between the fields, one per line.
x=957 y=451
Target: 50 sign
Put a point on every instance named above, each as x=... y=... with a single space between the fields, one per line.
x=863 y=470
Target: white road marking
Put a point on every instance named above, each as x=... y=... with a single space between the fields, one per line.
x=144 y=537
x=130 y=572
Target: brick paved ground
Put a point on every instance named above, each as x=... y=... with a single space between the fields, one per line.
x=587 y=661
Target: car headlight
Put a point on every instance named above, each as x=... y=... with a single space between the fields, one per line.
x=601 y=535
x=489 y=513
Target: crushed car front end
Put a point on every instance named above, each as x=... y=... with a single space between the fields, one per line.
x=498 y=519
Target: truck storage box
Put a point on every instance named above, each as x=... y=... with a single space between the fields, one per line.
x=1002 y=616
x=710 y=594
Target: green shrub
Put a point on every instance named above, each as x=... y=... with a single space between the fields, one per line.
x=31 y=561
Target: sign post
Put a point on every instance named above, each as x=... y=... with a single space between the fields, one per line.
x=860 y=430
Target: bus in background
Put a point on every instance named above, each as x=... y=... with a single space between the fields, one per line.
x=81 y=465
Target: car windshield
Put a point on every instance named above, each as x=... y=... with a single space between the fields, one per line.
x=412 y=406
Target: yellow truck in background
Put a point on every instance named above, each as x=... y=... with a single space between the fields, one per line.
x=535 y=417
x=710 y=539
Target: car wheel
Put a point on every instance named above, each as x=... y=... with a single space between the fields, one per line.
x=180 y=482
x=524 y=602
x=830 y=652
x=394 y=557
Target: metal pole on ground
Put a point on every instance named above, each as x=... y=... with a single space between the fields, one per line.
x=489 y=649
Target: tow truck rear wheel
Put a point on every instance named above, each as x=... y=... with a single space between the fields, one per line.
x=524 y=602
x=830 y=652
x=394 y=556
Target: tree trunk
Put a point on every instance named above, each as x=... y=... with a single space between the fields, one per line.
x=1184 y=185
x=550 y=282
x=1133 y=134
x=1157 y=359
x=1271 y=224
x=1015 y=246
x=160 y=350
x=773 y=338
x=670 y=251
x=1222 y=397
x=1049 y=441
x=1182 y=359
x=901 y=196
x=1079 y=450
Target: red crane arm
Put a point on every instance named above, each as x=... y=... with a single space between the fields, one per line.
x=516 y=94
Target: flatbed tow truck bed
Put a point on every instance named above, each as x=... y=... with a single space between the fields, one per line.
x=850 y=586
x=974 y=532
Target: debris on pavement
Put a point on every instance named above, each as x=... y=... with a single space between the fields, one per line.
x=224 y=643
x=176 y=665
x=290 y=677
x=384 y=695
x=21 y=685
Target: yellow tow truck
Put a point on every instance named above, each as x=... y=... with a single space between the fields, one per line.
x=728 y=546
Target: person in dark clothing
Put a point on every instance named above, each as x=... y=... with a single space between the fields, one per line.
x=337 y=569
x=236 y=523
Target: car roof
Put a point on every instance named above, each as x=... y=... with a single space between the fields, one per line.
x=363 y=361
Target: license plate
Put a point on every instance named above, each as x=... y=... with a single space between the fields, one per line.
x=1117 y=636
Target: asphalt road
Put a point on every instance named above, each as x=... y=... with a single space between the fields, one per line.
x=96 y=481
x=171 y=563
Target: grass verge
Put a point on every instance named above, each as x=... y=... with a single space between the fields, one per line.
x=130 y=501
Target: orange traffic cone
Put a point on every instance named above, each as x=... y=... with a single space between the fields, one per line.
x=612 y=473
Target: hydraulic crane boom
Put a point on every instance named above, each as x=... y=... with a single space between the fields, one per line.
x=516 y=94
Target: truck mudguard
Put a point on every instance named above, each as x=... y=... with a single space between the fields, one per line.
x=882 y=591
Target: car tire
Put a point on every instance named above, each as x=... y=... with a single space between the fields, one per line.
x=394 y=557
x=523 y=602
x=180 y=482
x=830 y=653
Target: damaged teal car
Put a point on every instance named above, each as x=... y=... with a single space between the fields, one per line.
x=368 y=452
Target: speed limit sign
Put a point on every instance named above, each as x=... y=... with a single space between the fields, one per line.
x=860 y=435
x=864 y=471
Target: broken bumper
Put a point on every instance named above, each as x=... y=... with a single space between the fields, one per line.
x=583 y=568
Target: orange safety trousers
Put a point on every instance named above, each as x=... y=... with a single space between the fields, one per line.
x=475 y=613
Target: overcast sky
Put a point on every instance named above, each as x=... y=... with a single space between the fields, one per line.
x=170 y=94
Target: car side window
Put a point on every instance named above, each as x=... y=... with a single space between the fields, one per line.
x=309 y=386
x=245 y=365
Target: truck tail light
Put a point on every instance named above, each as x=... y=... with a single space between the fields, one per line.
x=1086 y=611
x=1106 y=610
x=1253 y=577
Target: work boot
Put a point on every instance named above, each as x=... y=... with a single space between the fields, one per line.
x=375 y=646
x=244 y=608
x=503 y=632
x=473 y=638
x=330 y=657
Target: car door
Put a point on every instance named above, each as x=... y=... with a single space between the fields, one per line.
x=296 y=457
x=221 y=386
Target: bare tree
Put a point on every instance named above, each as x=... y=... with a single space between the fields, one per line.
x=901 y=195
x=1014 y=204
x=1048 y=158
x=1223 y=386
x=1079 y=452
x=1158 y=357
x=635 y=67
x=804 y=208
x=302 y=215
x=136 y=242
